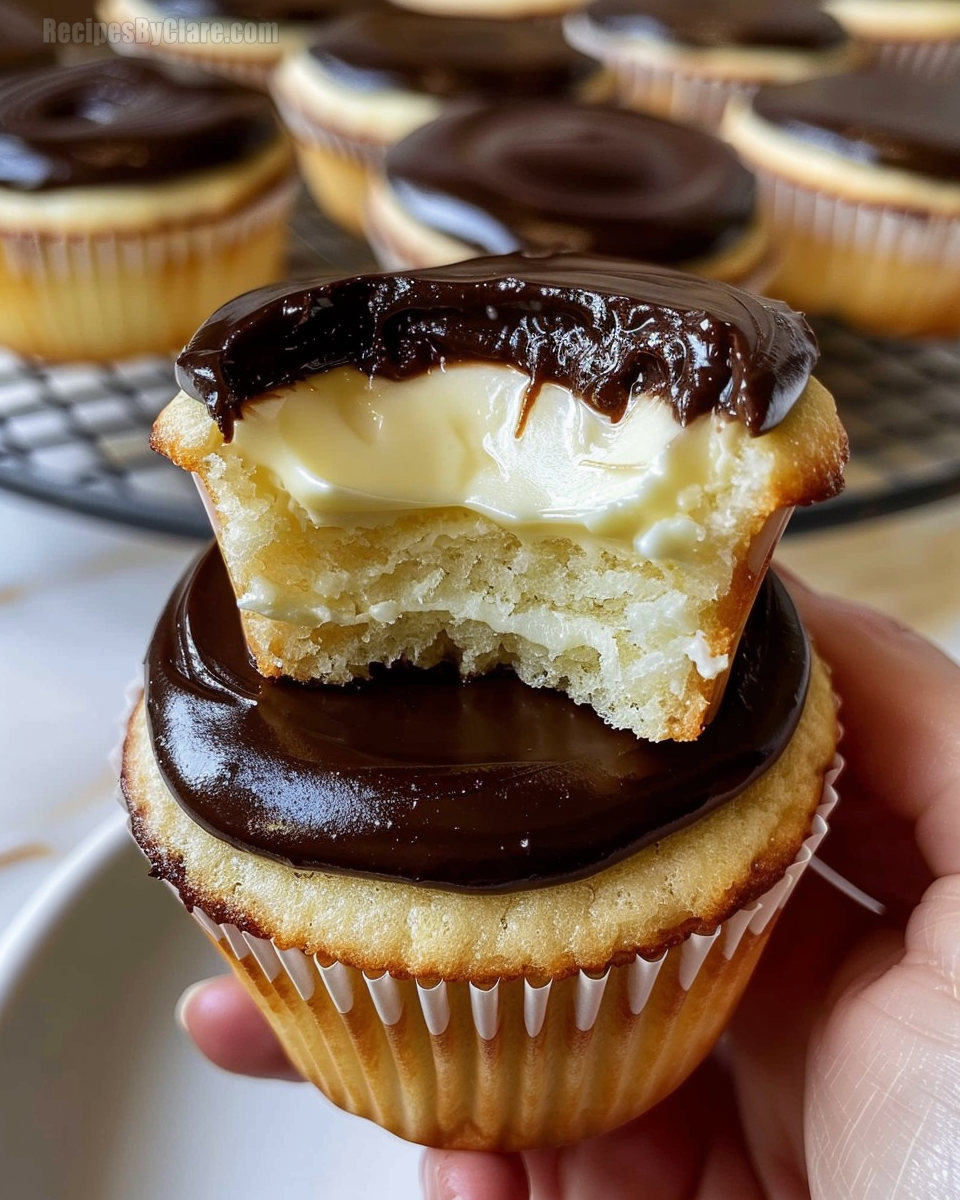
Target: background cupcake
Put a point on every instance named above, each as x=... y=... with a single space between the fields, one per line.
x=860 y=187
x=131 y=206
x=923 y=39
x=369 y=81
x=240 y=39
x=685 y=60
x=555 y=175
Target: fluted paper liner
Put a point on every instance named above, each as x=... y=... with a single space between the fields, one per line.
x=668 y=90
x=937 y=59
x=521 y=1063
x=885 y=269
x=107 y=295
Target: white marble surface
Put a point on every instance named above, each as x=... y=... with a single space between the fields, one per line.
x=79 y=598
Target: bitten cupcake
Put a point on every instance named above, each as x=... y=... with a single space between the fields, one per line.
x=860 y=186
x=471 y=909
x=577 y=468
x=131 y=206
x=684 y=60
x=242 y=40
x=923 y=39
x=554 y=176
x=369 y=81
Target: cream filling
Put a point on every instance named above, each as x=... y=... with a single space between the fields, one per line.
x=764 y=145
x=355 y=451
x=876 y=20
x=382 y=115
x=118 y=208
x=735 y=63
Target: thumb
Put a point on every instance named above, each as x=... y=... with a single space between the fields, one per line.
x=883 y=1108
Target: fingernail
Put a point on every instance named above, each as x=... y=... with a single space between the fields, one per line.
x=180 y=1012
x=432 y=1178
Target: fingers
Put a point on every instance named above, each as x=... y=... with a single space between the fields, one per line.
x=466 y=1175
x=901 y=716
x=227 y=1027
x=690 y=1147
x=882 y=1114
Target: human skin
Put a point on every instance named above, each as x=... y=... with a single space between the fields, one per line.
x=839 y=1077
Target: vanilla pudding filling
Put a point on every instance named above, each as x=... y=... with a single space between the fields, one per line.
x=355 y=453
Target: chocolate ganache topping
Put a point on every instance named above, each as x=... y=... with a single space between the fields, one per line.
x=451 y=56
x=414 y=775
x=901 y=121
x=298 y=12
x=118 y=121
x=557 y=175
x=767 y=24
x=601 y=327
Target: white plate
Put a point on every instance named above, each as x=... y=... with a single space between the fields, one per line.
x=102 y=1096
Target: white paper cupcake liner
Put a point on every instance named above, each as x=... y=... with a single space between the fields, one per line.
x=668 y=91
x=56 y=256
x=306 y=130
x=936 y=60
x=879 y=267
x=107 y=295
x=519 y=1063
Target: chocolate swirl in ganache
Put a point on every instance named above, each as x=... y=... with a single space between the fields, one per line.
x=118 y=122
x=451 y=56
x=414 y=775
x=894 y=120
x=601 y=327
x=754 y=24
x=555 y=175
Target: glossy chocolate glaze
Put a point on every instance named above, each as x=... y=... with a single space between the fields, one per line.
x=768 y=24
x=415 y=775
x=556 y=175
x=119 y=121
x=451 y=56
x=22 y=47
x=298 y=12
x=601 y=327
x=901 y=121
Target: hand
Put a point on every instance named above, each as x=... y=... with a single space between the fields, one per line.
x=839 y=1078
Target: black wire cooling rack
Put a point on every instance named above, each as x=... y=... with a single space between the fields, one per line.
x=76 y=434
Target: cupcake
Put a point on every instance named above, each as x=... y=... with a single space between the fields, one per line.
x=860 y=187
x=573 y=467
x=242 y=40
x=684 y=60
x=556 y=175
x=922 y=39
x=474 y=913
x=131 y=206
x=503 y=9
x=367 y=82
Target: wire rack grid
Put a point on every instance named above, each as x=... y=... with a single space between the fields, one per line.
x=77 y=435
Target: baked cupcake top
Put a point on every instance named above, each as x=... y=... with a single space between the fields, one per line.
x=121 y=122
x=22 y=47
x=555 y=175
x=872 y=117
x=604 y=328
x=487 y=785
x=450 y=56
x=750 y=24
